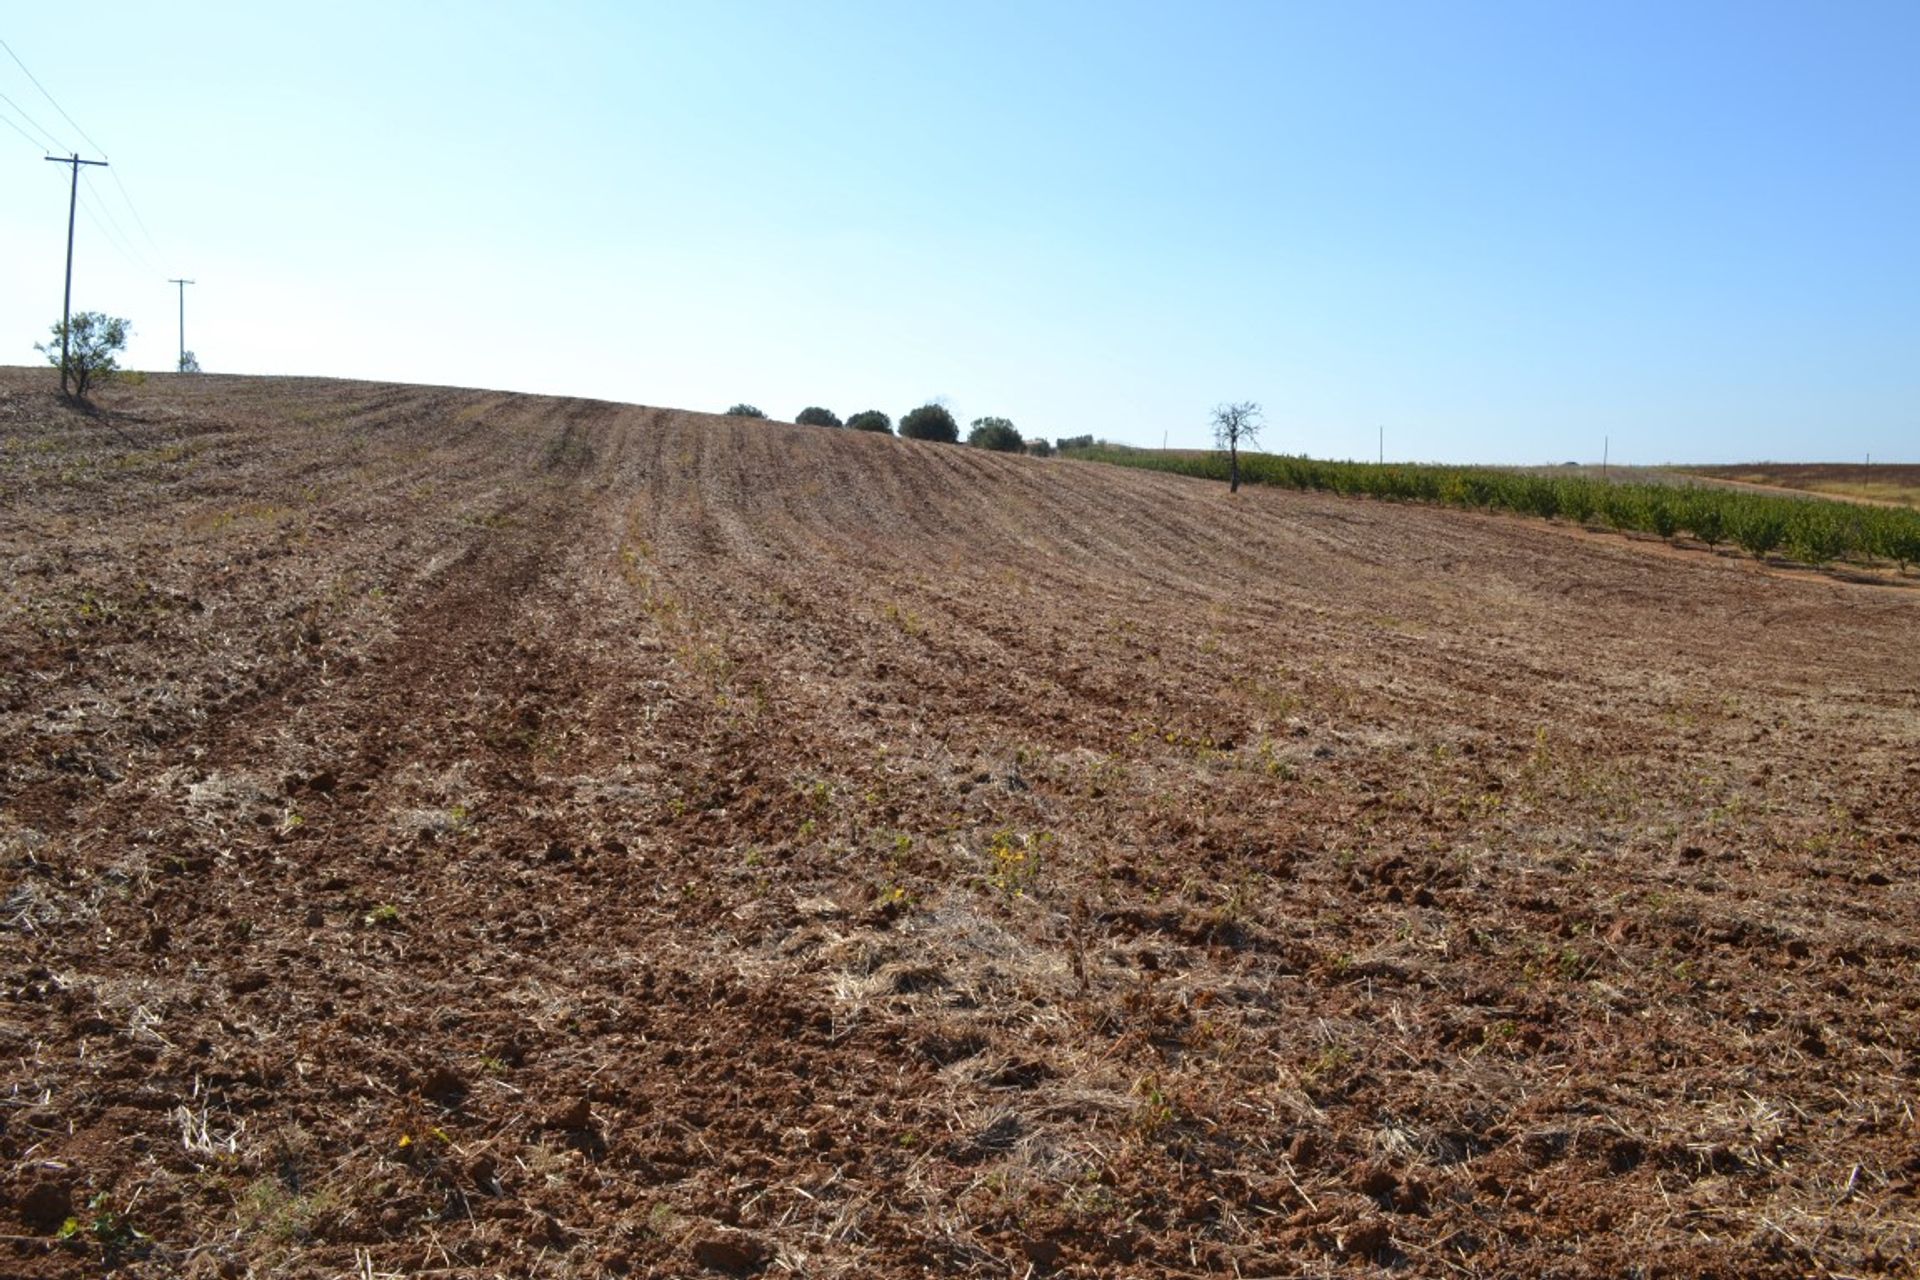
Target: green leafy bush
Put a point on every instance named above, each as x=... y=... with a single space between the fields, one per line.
x=996 y=434
x=871 y=420
x=814 y=416
x=1662 y=515
x=93 y=341
x=930 y=422
x=1759 y=527
x=1707 y=517
x=1816 y=535
x=1576 y=500
x=745 y=411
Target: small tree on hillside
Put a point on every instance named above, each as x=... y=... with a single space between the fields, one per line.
x=930 y=422
x=745 y=411
x=1039 y=448
x=91 y=345
x=996 y=434
x=871 y=420
x=814 y=416
x=1235 y=425
x=189 y=362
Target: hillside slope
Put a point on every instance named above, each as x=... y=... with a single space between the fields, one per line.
x=482 y=834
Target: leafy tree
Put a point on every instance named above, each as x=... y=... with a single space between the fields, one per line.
x=871 y=420
x=745 y=411
x=189 y=362
x=930 y=422
x=1759 y=527
x=1902 y=542
x=815 y=416
x=1064 y=443
x=996 y=434
x=1706 y=515
x=1039 y=448
x=1663 y=515
x=91 y=346
x=1235 y=425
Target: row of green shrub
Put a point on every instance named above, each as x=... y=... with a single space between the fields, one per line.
x=929 y=422
x=1812 y=530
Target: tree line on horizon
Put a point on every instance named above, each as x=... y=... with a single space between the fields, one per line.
x=931 y=421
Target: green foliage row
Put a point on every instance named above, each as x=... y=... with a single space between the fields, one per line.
x=928 y=422
x=996 y=434
x=1811 y=530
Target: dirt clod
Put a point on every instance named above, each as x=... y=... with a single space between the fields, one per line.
x=44 y=1203
x=734 y=1253
x=576 y=1115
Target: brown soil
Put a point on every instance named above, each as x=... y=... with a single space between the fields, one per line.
x=453 y=833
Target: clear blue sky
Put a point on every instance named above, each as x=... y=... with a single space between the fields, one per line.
x=1502 y=231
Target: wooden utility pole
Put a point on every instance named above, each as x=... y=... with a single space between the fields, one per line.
x=181 y=364
x=66 y=305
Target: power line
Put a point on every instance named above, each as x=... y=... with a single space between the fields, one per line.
x=126 y=240
x=133 y=209
x=37 y=145
x=106 y=234
x=49 y=97
x=125 y=195
x=48 y=139
x=94 y=211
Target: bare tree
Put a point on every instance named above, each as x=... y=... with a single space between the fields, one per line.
x=1233 y=426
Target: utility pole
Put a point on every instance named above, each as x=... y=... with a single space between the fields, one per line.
x=1383 y=445
x=66 y=306
x=1606 y=446
x=182 y=363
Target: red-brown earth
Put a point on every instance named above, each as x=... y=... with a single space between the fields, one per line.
x=453 y=833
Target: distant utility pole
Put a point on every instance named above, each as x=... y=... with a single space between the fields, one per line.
x=66 y=306
x=1606 y=446
x=183 y=321
x=1383 y=446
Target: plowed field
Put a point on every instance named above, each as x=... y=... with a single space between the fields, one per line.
x=452 y=833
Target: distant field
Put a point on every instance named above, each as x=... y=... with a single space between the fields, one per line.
x=1667 y=503
x=1898 y=483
